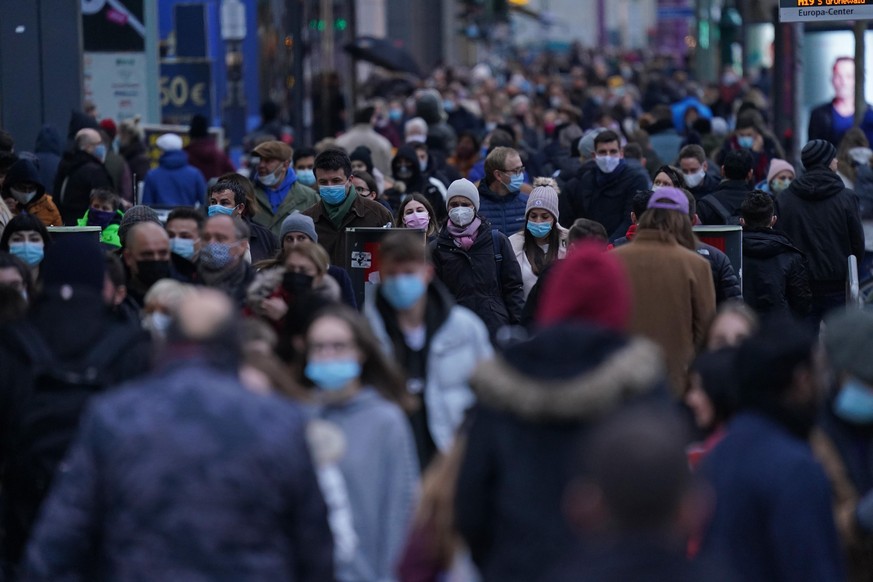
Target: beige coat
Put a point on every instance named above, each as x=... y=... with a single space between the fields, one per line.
x=673 y=298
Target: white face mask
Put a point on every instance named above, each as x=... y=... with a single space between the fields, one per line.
x=270 y=179
x=22 y=197
x=462 y=216
x=694 y=180
x=607 y=164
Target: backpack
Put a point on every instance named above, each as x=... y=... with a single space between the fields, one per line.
x=47 y=415
x=726 y=217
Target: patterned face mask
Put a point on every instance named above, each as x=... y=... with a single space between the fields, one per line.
x=216 y=256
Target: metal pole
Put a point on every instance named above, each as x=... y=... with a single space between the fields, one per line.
x=860 y=63
x=150 y=15
x=799 y=121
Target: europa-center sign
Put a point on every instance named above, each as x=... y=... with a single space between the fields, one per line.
x=819 y=10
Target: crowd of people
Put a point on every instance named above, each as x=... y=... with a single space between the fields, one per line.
x=549 y=376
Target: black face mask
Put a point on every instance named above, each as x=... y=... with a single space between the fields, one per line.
x=297 y=283
x=150 y=272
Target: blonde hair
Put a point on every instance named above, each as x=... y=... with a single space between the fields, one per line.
x=312 y=251
x=168 y=294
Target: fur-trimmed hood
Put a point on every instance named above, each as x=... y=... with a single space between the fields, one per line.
x=570 y=373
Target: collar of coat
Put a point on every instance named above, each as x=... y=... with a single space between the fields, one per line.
x=632 y=370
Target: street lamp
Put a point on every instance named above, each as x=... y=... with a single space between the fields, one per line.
x=233 y=33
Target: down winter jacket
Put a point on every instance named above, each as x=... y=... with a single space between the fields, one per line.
x=78 y=173
x=605 y=198
x=240 y=500
x=822 y=218
x=505 y=213
x=486 y=279
x=775 y=279
x=456 y=346
x=42 y=205
x=727 y=286
x=174 y=182
x=535 y=403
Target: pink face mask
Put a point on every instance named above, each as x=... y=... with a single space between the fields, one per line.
x=418 y=220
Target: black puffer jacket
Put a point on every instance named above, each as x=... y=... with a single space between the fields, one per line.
x=603 y=197
x=724 y=277
x=822 y=218
x=490 y=288
x=730 y=195
x=775 y=279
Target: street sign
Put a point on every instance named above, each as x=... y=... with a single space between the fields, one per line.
x=823 y=10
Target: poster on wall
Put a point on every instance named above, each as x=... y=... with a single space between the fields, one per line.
x=829 y=85
x=116 y=84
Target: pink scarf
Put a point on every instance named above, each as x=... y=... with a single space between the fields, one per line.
x=464 y=237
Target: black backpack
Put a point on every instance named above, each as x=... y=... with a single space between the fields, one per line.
x=47 y=414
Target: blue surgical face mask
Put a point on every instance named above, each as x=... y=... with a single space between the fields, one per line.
x=100 y=152
x=306 y=177
x=515 y=182
x=333 y=195
x=745 y=141
x=216 y=256
x=218 y=209
x=395 y=114
x=403 y=291
x=779 y=185
x=184 y=247
x=30 y=252
x=333 y=374
x=539 y=229
x=854 y=403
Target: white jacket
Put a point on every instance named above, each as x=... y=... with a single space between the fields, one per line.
x=455 y=351
x=529 y=279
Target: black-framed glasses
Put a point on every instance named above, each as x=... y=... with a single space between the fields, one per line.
x=519 y=171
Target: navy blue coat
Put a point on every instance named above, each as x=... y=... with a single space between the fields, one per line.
x=773 y=517
x=185 y=475
x=505 y=213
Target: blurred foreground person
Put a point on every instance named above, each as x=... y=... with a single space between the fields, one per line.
x=70 y=348
x=635 y=501
x=187 y=475
x=535 y=400
x=773 y=518
x=843 y=439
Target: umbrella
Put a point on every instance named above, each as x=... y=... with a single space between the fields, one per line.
x=384 y=53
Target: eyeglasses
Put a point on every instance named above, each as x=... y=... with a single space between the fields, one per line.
x=361 y=190
x=516 y=172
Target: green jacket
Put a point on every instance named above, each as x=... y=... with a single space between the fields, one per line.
x=108 y=235
x=299 y=197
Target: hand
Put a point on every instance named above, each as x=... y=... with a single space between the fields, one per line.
x=273 y=308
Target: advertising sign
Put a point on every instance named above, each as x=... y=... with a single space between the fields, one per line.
x=821 y=10
x=116 y=83
x=186 y=90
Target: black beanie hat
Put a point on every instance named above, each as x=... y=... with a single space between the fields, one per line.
x=818 y=152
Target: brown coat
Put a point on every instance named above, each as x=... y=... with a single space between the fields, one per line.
x=858 y=546
x=363 y=213
x=674 y=298
x=44 y=209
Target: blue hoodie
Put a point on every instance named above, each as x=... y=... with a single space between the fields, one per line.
x=174 y=182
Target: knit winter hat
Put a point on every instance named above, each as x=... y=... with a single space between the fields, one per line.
x=76 y=261
x=543 y=197
x=297 y=222
x=135 y=215
x=169 y=142
x=848 y=339
x=464 y=188
x=818 y=152
x=589 y=286
x=777 y=165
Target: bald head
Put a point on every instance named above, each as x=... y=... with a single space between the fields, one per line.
x=204 y=315
x=146 y=241
x=87 y=138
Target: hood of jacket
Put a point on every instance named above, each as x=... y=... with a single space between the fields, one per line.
x=765 y=243
x=430 y=107
x=407 y=153
x=569 y=373
x=23 y=171
x=817 y=184
x=48 y=140
x=173 y=160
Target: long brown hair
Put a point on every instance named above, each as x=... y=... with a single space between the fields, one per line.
x=538 y=259
x=376 y=370
x=672 y=225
